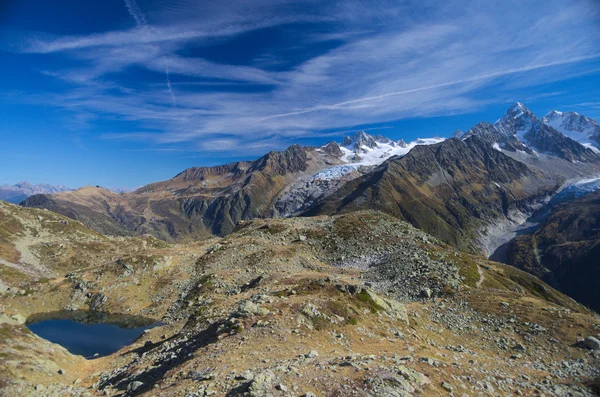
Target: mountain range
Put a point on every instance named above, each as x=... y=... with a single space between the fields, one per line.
x=20 y=191
x=452 y=188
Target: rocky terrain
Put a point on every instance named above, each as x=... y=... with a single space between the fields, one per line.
x=564 y=250
x=305 y=273
x=355 y=304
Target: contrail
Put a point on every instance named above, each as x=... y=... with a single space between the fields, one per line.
x=141 y=21
x=136 y=13
x=169 y=87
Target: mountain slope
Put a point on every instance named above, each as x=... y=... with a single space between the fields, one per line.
x=564 y=250
x=357 y=304
x=199 y=202
x=450 y=189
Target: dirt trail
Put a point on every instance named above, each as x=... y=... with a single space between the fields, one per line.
x=481 y=277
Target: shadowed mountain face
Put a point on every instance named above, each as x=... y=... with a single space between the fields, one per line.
x=449 y=189
x=564 y=251
x=199 y=202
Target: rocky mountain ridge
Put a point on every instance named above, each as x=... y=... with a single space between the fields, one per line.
x=197 y=203
x=450 y=189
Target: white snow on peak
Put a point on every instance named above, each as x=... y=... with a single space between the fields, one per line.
x=577 y=127
x=381 y=151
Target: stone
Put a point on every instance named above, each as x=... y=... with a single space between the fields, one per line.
x=519 y=347
x=591 y=343
x=133 y=386
x=392 y=307
x=281 y=387
x=245 y=376
x=249 y=308
x=412 y=376
x=18 y=318
x=261 y=385
x=61 y=371
x=312 y=354
x=447 y=386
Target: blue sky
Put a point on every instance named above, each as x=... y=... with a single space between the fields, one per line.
x=126 y=92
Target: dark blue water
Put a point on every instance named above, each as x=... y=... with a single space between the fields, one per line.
x=89 y=333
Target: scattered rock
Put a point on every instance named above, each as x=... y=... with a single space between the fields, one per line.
x=519 y=347
x=245 y=376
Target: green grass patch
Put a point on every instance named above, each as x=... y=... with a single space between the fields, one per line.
x=365 y=298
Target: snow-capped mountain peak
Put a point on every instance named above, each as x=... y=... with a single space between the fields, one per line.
x=359 y=141
x=575 y=126
x=458 y=134
x=520 y=130
x=365 y=149
x=518 y=120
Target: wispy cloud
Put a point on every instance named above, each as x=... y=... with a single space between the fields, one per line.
x=169 y=86
x=136 y=13
x=381 y=63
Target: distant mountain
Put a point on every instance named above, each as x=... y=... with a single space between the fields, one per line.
x=198 y=202
x=121 y=189
x=576 y=126
x=520 y=123
x=365 y=149
x=20 y=191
